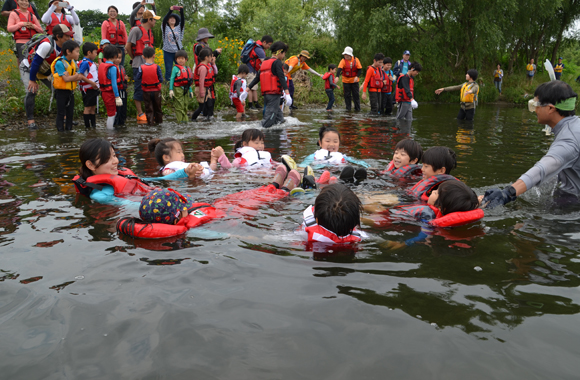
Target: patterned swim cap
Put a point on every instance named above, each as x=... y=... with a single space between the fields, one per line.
x=164 y=206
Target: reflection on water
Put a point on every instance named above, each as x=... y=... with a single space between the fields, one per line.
x=245 y=295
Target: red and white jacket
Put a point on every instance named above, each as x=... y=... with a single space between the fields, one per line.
x=248 y=157
x=317 y=233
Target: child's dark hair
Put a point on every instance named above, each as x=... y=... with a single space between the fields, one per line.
x=249 y=135
x=161 y=147
x=324 y=130
x=379 y=57
x=331 y=66
x=267 y=39
x=110 y=52
x=243 y=69
x=416 y=66
x=387 y=60
x=286 y=67
x=204 y=53
x=472 y=74
x=455 y=196
x=412 y=148
x=278 y=46
x=89 y=47
x=148 y=52
x=69 y=46
x=440 y=157
x=181 y=54
x=98 y=151
x=337 y=209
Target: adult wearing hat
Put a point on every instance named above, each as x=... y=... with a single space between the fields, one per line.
x=35 y=66
x=296 y=63
x=140 y=37
x=402 y=65
x=172 y=31
x=558 y=68
x=114 y=30
x=350 y=69
x=203 y=36
x=554 y=104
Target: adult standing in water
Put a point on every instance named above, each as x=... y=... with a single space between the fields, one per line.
x=24 y=24
x=114 y=30
x=56 y=15
x=172 y=31
x=351 y=70
x=296 y=63
x=554 y=104
x=139 y=38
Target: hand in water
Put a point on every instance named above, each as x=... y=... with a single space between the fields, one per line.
x=194 y=170
x=496 y=197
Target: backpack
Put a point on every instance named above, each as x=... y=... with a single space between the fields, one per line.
x=245 y=55
x=34 y=42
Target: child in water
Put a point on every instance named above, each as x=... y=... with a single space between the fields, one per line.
x=407 y=153
x=101 y=180
x=438 y=160
x=169 y=155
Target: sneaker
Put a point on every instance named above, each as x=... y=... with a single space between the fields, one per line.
x=324 y=178
x=32 y=126
x=293 y=107
x=258 y=105
x=253 y=109
x=297 y=191
x=142 y=118
x=332 y=180
x=288 y=162
x=281 y=174
x=360 y=175
x=244 y=116
x=308 y=179
x=293 y=179
x=347 y=174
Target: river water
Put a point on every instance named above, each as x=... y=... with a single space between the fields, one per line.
x=247 y=299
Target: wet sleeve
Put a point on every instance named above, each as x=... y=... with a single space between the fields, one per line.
x=307 y=161
x=107 y=196
x=179 y=174
x=357 y=162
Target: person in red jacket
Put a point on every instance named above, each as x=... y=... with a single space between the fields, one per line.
x=151 y=79
x=374 y=81
x=405 y=92
x=330 y=81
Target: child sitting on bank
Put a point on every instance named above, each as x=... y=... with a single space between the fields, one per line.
x=108 y=81
x=121 y=116
x=90 y=95
x=407 y=153
x=238 y=91
x=204 y=77
x=64 y=71
x=374 y=82
x=101 y=52
x=151 y=78
x=181 y=85
x=169 y=155
x=330 y=81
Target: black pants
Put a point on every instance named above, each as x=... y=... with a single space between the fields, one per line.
x=375 y=100
x=351 y=93
x=65 y=106
x=152 y=100
x=121 y=116
x=386 y=104
x=466 y=114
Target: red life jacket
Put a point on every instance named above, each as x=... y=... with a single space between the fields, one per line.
x=185 y=78
x=125 y=183
x=149 y=79
x=209 y=76
x=54 y=21
x=433 y=216
x=105 y=83
x=118 y=37
x=388 y=87
x=423 y=188
x=48 y=59
x=137 y=23
x=328 y=78
x=195 y=55
x=401 y=95
x=349 y=70
x=269 y=83
x=376 y=81
x=84 y=85
x=24 y=32
x=146 y=40
x=403 y=171
x=121 y=78
x=320 y=234
x=30 y=9
x=199 y=213
x=255 y=61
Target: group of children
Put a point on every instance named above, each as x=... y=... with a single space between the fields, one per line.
x=442 y=200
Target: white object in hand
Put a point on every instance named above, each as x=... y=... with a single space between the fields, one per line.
x=118 y=101
x=171 y=93
x=243 y=96
x=414 y=104
x=288 y=100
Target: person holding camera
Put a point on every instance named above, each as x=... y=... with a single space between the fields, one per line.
x=138 y=10
x=172 y=31
x=23 y=24
x=56 y=15
x=114 y=30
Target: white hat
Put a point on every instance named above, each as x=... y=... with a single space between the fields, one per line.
x=347 y=50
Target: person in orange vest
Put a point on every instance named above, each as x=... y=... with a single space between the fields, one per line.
x=531 y=69
x=151 y=78
x=56 y=15
x=140 y=38
x=468 y=97
x=24 y=24
x=296 y=63
x=350 y=69
x=374 y=81
x=558 y=68
x=114 y=30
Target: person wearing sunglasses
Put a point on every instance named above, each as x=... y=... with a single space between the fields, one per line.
x=554 y=104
